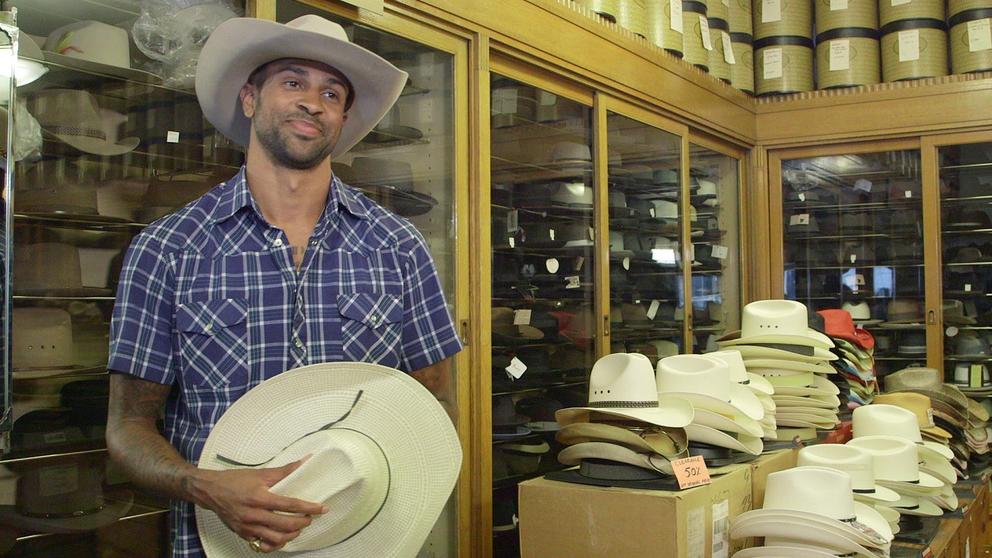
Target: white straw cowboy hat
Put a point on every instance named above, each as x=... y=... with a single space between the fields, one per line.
x=776 y=322
x=740 y=374
x=622 y=386
x=705 y=382
x=384 y=457
x=669 y=442
x=573 y=455
x=879 y=419
x=854 y=461
x=240 y=45
x=744 y=443
x=897 y=466
x=759 y=363
x=784 y=550
x=790 y=382
x=817 y=401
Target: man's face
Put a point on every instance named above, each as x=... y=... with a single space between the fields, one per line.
x=297 y=111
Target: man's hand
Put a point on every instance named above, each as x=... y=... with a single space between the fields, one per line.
x=242 y=500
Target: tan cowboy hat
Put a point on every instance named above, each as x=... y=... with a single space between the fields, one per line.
x=239 y=46
x=384 y=457
x=920 y=406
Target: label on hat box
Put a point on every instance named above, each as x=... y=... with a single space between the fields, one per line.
x=552 y=265
x=719 y=252
x=772 y=63
x=801 y=219
x=653 y=309
x=951 y=331
x=572 y=282
x=840 y=57
x=728 y=48
x=771 y=11
x=58 y=479
x=516 y=368
x=504 y=100
x=802 y=197
x=836 y=5
x=909 y=45
x=721 y=528
x=512 y=220
x=863 y=185
x=691 y=471
x=172 y=136
x=521 y=317
x=979 y=35
x=696 y=533
x=675 y=15
x=512 y=242
x=900 y=2
x=626 y=264
x=967 y=287
x=704 y=31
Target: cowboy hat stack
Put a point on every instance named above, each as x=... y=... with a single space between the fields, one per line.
x=854 y=347
x=896 y=464
x=624 y=433
x=857 y=463
x=776 y=342
x=811 y=512
x=759 y=386
x=727 y=415
x=920 y=406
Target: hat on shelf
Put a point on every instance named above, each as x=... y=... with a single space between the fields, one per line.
x=777 y=322
x=41 y=342
x=50 y=269
x=576 y=454
x=919 y=405
x=860 y=221
x=839 y=323
x=902 y=311
x=392 y=472
x=523 y=457
x=929 y=382
x=790 y=382
x=860 y=313
x=913 y=343
x=704 y=382
x=905 y=222
x=507 y=423
x=954 y=313
x=969 y=346
x=739 y=372
x=908 y=251
x=852 y=460
x=64 y=197
x=905 y=190
x=856 y=254
x=973 y=219
x=570 y=156
x=95 y=47
x=74 y=117
x=505 y=332
x=896 y=465
x=390 y=182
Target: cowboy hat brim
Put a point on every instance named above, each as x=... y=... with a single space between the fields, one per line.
x=115 y=506
x=827 y=401
x=759 y=384
x=784 y=550
x=742 y=401
x=673 y=414
x=811 y=338
x=915 y=506
x=573 y=455
x=802 y=529
x=759 y=365
x=819 y=386
x=744 y=443
x=672 y=444
x=238 y=46
x=95 y=146
x=762 y=351
x=879 y=494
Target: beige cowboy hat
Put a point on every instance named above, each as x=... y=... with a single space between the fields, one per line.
x=240 y=45
x=739 y=373
x=879 y=419
x=855 y=462
x=737 y=441
x=897 y=465
x=776 y=322
x=929 y=381
x=758 y=364
x=573 y=455
x=704 y=382
x=920 y=406
x=790 y=382
x=384 y=457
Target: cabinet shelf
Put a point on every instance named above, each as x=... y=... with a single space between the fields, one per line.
x=856 y=236
x=531 y=389
x=852 y=266
x=965 y=231
x=833 y=207
x=967 y=166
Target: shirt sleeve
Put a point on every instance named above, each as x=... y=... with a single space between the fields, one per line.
x=429 y=335
x=141 y=327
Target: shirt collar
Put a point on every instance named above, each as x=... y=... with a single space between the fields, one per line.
x=235 y=195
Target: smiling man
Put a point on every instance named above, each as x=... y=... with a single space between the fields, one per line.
x=281 y=266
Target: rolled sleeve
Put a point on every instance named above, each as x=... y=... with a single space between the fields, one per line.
x=141 y=327
x=429 y=335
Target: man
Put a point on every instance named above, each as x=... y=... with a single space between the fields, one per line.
x=281 y=266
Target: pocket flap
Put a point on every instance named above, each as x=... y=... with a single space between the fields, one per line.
x=372 y=309
x=205 y=317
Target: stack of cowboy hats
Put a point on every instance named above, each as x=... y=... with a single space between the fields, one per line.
x=727 y=423
x=811 y=512
x=624 y=433
x=896 y=465
x=854 y=347
x=922 y=409
x=777 y=343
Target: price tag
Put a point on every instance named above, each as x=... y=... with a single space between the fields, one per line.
x=512 y=242
x=772 y=62
x=930 y=417
x=980 y=35
x=859 y=280
x=909 y=45
x=626 y=264
x=651 y=212
x=704 y=31
x=521 y=317
x=579 y=262
x=551 y=233
x=801 y=219
x=691 y=471
x=653 y=309
x=854 y=258
x=840 y=55
x=172 y=137
x=771 y=11
x=838 y=5
x=967 y=287
x=516 y=368
x=572 y=282
x=692 y=252
x=802 y=197
x=720 y=252
x=552 y=265
x=512 y=222
x=863 y=185
x=909 y=193
x=728 y=48
x=900 y=2
x=951 y=331
x=675 y=14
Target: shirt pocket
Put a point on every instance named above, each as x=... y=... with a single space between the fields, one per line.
x=371 y=327
x=213 y=343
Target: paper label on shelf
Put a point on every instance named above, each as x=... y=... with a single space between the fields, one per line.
x=909 y=194
x=854 y=258
x=653 y=309
x=728 y=48
x=552 y=265
x=504 y=100
x=951 y=331
x=172 y=136
x=802 y=197
x=979 y=35
x=516 y=368
x=840 y=55
x=521 y=317
x=900 y=2
x=512 y=220
x=512 y=242
x=771 y=11
x=691 y=471
x=579 y=262
x=696 y=533
x=626 y=264
x=772 y=63
x=909 y=45
x=721 y=528
x=836 y=5
x=572 y=282
x=675 y=15
x=57 y=480
x=967 y=287
x=551 y=234
x=704 y=31
x=800 y=219
x=859 y=280
x=863 y=185
x=720 y=252
x=975 y=375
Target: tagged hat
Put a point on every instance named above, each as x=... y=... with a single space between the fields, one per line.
x=854 y=461
x=385 y=475
x=705 y=383
x=776 y=322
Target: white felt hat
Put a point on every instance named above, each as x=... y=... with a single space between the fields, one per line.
x=854 y=461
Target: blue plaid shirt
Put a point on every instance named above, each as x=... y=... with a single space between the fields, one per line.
x=210 y=301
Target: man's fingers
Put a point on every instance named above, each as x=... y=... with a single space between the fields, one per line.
x=286 y=504
x=276 y=474
x=271 y=540
x=282 y=523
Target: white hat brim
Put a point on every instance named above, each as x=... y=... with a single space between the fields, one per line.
x=758 y=352
x=739 y=424
x=673 y=413
x=829 y=401
x=581 y=432
x=743 y=402
x=820 y=386
x=939 y=468
x=403 y=418
x=881 y=494
x=97 y=146
x=759 y=384
x=115 y=506
x=758 y=363
x=797 y=527
x=782 y=551
x=933 y=448
x=741 y=442
x=240 y=45
x=812 y=338
x=573 y=455
x=923 y=507
x=805 y=421
x=767 y=403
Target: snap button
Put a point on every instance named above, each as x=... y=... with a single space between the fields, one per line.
x=298 y=343
x=209 y=328
x=277 y=242
x=374 y=319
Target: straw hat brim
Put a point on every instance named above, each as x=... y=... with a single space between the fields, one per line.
x=759 y=352
x=921 y=507
x=581 y=432
x=810 y=338
x=772 y=363
x=115 y=506
x=674 y=414
x=808 y=528
x=744 y=443
x=400 y=415
x=573 y=455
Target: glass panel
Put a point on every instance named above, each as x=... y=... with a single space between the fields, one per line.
x=8 y=64
x=407 y=165
x=543 y=311
x=854 y=240
x=647 y=306
x=966 y=204
x=716 y=263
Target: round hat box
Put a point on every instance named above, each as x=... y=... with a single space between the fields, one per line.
x=719 y=60
x=783 y=65
x=898 y=10
x=913 y=49
x=742 y=73
x=658 y=18
x=782 y=18
x=607 y=9
x=740 y=17
x=839 y=14
x=954 y=7
x=633 y=16
x=718 y=9
x=847 y=58
x=693 y=13
x=964 y=28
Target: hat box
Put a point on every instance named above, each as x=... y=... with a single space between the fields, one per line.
x=740 y=17
x=512 y=102
x=847 y=57
x=659 y=26
x=693 y=14
x=742 y=72
x=632 y=16
x=783 y=65
x=719 y=10
x=914 y=48
x=718 y=59
x=963 y=26
x=834 y=14
x=890 y=11
x=783 y=18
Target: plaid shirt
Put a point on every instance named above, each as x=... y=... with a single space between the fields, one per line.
x=210 y=301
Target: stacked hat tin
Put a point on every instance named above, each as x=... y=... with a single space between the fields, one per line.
x=696 y=36
x=783 y=46
x=847 y=46
x=914 y=39
x=742 y=39
x=971 y=47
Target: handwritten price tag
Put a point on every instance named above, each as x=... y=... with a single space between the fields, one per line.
x=691 y=471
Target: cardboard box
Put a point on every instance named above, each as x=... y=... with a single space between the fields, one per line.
x=765 y=465
x=575 y=520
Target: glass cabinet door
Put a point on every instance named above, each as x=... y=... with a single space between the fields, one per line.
x=715 y=232
x=966 y=244
x=853 y=239
x=543 y=330
x=647 y=301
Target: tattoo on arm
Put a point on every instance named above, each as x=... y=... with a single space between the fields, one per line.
x=437 y=379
